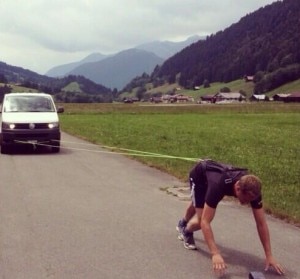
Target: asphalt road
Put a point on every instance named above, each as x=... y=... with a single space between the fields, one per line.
x=89 y=214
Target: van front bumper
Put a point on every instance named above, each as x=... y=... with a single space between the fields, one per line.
x=32 y=136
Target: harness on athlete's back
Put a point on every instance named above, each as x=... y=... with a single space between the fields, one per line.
x=225 y=169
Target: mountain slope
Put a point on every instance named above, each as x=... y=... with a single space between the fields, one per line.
x=116 y=71
x=61 y=70
x=161 y=49
x=18 y=74
x=261 y=42
x=84 y=91
x=167 y=49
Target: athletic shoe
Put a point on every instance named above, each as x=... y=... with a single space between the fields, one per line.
x=181 y=225
x=188 y=240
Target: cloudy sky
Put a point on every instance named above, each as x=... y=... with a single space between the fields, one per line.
x=41 y=34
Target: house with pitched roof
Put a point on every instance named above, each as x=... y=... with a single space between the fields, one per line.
x=293 y=97
x=229 y=97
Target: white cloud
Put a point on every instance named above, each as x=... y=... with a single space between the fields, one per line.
x=40 y=34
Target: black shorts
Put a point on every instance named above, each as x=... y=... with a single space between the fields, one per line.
x=198 y=185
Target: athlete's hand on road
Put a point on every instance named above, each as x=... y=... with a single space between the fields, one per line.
x=219 y=265
x=272 y=262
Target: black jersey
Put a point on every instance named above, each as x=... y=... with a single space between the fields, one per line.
x=213 y=180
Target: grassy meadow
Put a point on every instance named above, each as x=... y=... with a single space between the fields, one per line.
x=263 y=137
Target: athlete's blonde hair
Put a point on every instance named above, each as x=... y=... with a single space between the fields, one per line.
x=250 y=184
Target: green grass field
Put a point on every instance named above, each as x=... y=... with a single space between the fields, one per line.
x=261 y=137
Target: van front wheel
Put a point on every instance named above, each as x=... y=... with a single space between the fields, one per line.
x=55 y=147
x=5 y=148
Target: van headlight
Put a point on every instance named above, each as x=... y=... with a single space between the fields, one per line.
x=8 y=126
x=53 y=125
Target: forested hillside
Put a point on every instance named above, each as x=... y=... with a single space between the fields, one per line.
x=265 y=44
x=84 y=91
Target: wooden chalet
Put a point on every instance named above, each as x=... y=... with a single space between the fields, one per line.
x=293 y=97
x=280 y=97
x=258 y=97
x=229 y=97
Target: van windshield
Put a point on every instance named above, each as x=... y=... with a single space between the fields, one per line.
x=28 y=104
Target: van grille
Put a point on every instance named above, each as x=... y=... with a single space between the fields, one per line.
x=27 y=126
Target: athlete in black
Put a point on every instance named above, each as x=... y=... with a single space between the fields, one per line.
x=210 y=181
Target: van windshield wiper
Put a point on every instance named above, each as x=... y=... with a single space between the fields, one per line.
x=38 y=110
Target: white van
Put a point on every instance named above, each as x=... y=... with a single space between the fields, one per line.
x=29 y=118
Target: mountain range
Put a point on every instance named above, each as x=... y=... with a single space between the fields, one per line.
x=115 y=71
x=263 y=44
x=62 y=70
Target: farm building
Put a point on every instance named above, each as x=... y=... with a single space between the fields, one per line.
x=280 y=97
x=293 y=97
x=182 y=98
x=208 y=98
x=178 y=98
x=230 y=97
x=156 y=100
x=260 y=97
x=249 y=78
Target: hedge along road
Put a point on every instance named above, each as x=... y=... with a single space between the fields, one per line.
x=81 y=214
